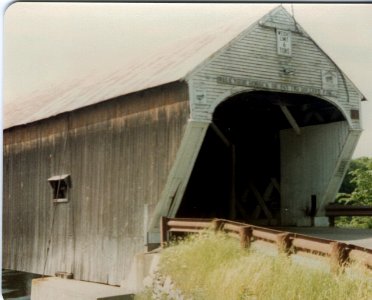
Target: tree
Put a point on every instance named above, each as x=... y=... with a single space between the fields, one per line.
x=356 y=189
x=348 y=185
x=362 y=193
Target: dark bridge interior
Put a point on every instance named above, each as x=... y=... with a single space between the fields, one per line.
x=237 y=172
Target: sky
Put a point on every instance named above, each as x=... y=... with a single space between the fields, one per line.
x=49 y=44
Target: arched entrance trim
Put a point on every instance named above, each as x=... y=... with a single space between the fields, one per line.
x=241 y=90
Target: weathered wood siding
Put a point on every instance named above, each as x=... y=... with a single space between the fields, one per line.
x=251 y=62
x=119 y=154
x=308 y=162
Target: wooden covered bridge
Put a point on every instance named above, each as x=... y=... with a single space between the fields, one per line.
x=252 y=123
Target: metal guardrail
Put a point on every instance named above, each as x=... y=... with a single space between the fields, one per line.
x=337 y=210
x=286 y=242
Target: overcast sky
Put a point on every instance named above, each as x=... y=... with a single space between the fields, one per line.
x=47 y=44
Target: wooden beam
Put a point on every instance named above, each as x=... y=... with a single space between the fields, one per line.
x=319 y=117
x=275 y=183
x=241 y=209
x=268 y=191
x=224 y=139
x=290 y=119
x=261 y=201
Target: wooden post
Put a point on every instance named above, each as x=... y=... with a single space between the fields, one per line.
x=245 y=233
x=217 y=225
x=284 y=243
x=338 y=256
x=331 y=221
x=313 y=209
x=163 y=231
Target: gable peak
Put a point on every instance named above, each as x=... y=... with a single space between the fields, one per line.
x=280 y=18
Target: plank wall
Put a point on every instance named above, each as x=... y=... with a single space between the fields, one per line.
x=119 y=154
x=253 y=56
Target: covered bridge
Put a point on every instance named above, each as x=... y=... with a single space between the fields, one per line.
x=252 y=122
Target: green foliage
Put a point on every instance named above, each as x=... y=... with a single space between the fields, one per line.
x=354 y=222
x=362 y=178
x=357 y=185
x=213 y=266
x=356 y=189
x=348 y=185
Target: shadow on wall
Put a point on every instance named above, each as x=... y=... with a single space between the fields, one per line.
x=17 y=285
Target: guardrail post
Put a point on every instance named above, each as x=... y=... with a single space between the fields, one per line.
x=245 y=233
x=163 y=231
x=284 y=243
x=217 y=225
x=331 y=220
x=338 y=256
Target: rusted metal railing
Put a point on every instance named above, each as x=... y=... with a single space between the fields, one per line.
x=286 y=242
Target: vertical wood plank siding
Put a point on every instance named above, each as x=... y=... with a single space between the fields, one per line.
x=119 y=154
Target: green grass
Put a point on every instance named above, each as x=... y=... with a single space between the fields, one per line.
x=210 y=266
x=354 y=222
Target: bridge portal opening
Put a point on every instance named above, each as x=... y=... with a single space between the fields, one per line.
x=238 y=174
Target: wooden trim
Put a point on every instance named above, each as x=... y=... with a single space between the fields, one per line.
x=180 y=173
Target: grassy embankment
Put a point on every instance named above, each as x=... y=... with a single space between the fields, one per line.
x=214 y=267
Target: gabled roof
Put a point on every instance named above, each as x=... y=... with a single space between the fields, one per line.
x=169 y=63
x=172 y=62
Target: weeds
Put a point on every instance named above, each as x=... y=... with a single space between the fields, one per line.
x=213 y=266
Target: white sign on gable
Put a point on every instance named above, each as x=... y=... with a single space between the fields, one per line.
x=329 y=80
x=284 y=42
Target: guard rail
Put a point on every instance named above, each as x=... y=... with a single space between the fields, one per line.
x=339 y=253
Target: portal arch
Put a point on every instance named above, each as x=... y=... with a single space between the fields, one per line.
x=237 y=90
x=245 y=171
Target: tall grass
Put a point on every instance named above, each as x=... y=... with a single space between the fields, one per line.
x=213 y=266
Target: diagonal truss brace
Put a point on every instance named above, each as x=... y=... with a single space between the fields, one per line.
x=290 y=119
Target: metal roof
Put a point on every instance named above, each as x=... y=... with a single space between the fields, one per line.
x=169 y=63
